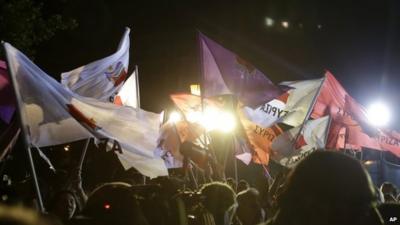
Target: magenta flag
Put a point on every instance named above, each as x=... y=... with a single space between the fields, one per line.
x=224 y=72
x=7 y=99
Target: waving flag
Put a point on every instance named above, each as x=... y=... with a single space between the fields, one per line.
x=260 y=138
x=314 y=136
x=268 y=113
x=127 y=95
x=103 y=78
x=53 y=115
x=226 y=73
x=300 y=100
x=7 y=98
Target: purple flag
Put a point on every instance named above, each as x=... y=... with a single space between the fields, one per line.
x=7 y=99
x=226 y=73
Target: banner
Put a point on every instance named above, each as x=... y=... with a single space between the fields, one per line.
x=55 y=115
x=103 y=78
x=226 y=73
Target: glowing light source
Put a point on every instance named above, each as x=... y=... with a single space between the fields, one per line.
x=66 y=148
x=195 y=89
x=368 y=162
x=215 y=119
x=107 y=206
x=285 y=24
x=378 y=114
x=269 y=22
x=175 y=117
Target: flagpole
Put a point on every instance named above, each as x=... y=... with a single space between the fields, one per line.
x=202 y=82
x=84 y=153
x=25 y=131
x=137 y=86
x=138 y=100
x=327 y=131
x=306 y=118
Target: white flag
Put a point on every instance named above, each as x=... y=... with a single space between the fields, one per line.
x=313 y=137
x=266 y=114
x=45 y=104
x=127 y=95
x=300 y=100
x=103 y=78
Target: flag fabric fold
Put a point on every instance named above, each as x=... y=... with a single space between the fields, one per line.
x=300 y=100
x=226 y=73
x=127 y=95
x=56 y=115
x=313 y=136
x=103 y=78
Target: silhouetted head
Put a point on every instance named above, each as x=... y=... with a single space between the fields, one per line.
x=249 y=207
x=218 y=199
x=328 y=188
x=389 y=192
x=114 y=203
x=242 y=186
x=64 y=205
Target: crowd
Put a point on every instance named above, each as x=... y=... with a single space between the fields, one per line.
x=325 y=188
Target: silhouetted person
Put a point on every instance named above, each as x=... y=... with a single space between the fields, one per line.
x=389 y=192
x=327 y=188
x=249 y=211
x=114 y=204
x=242 y=186
x=218 y=200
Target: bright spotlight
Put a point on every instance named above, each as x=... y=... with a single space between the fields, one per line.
x=285 y=24
x=215 y=119
x=378 y=114
x=269 y=22
x=193 y=116
x=66 y=148
x=175 y=117
x=209 y=119
x=226 y=122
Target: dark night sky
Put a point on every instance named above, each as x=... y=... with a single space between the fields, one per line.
x=359 y=42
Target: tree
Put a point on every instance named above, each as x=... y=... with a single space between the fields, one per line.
x=25 y=24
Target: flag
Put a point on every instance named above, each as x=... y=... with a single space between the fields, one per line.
x=259 y=138
x=7 y=98
x=300 y=100
x=268 y=113
x=226 y=73
x=127 y=95
x=54 y=115
x=313 y=136
x=331 y=99
x=103 y=78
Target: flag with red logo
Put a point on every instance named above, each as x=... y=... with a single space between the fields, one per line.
x=54 y=115
x=103 y=78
